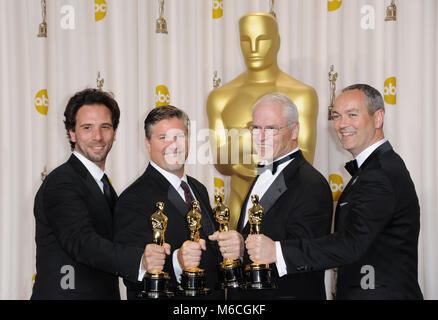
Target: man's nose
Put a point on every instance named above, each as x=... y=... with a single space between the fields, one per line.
x=97 y=134
x=342 y=122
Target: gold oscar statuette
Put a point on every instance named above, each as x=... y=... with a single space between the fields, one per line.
x=332 y=75
x=271 y=8
x=258 y=275
x=42 y=28
x=156 y=283
x=391 y=12
x=230 y=270
x=193 y=279
x=229 y=107
x=99 y=81
x=161 y=24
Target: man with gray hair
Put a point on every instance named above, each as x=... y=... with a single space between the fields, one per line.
x=296 y=198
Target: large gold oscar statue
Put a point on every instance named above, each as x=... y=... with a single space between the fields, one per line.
x=230 y=106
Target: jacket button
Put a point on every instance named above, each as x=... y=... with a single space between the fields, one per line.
x=302 y=268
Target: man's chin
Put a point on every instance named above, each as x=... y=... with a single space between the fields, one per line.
x=174 y=167
x=265 y=156
x=96 y=158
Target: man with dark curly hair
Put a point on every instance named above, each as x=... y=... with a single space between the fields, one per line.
x=75 y=255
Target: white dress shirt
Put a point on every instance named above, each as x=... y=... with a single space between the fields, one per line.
x=262 y=185
x=361 y=157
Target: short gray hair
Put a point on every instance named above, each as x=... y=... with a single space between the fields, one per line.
x=289 y=108
x=374 y=97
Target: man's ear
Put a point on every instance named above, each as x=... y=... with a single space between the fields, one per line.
x=72 y=135
x=148 y=144
x=295 y=131
x=379 y=116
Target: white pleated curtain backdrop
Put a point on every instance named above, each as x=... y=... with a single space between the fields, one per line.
x=144 y=68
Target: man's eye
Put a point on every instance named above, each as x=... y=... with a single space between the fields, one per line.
x=336 y=117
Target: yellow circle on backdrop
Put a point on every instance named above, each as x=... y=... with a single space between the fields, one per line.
x=42 y=101
x=390 y=90
x=336 y=185
x=218 y=9
x=333 y=5
x=162 y=96
x=99 y=9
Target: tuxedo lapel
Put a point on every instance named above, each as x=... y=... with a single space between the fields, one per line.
x=367 y=163
x=178 y=203
x=275 y=190
x=91 y=184
x=241 y=221
x=174 y=197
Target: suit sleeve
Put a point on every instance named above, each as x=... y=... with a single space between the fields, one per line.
x=67 y=212
x=369 y=207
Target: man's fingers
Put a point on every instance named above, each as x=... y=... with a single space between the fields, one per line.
x=167 y=248
x=214 y=236
x=202 y=244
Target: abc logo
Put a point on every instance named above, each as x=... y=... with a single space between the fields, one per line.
x=99 y=9
x=42 y=101
x=162 y=96
x=218 y=9
x=219 y=187
x=390 y=91
x=333 y=5
x=337 y=186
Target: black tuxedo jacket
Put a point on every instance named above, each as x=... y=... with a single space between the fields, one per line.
x=376 y=234
x=298 y=205
x=75 y=255
x=132 y=221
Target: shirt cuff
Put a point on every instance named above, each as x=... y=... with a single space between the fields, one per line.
x=141 y=271
x=176 y=268
x=280 y=263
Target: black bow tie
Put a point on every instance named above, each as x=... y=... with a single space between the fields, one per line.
x=352 y=167
x=273 y=166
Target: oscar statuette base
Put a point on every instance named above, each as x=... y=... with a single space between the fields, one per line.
x=230 y=274
x=259 y=276
x=156 y=285
x=193 y=283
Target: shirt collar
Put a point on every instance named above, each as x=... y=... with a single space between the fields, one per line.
x=361 y=157
x=173 y=179
x=269 y=163
x=93 y=168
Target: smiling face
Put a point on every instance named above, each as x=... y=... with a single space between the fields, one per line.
x=94 y=133
x=259 y=41
x=356 y=128
x=168 y=145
